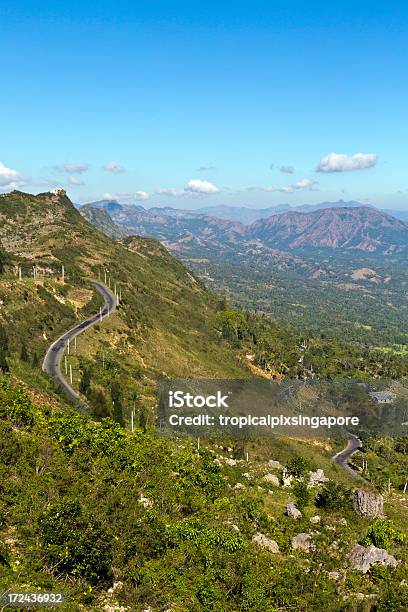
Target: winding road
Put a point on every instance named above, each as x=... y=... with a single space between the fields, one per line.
x=353 y=445
x=53 y=357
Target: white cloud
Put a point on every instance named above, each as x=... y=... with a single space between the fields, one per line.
x=11 y=179
x=73 y=180
x=199 y=186
x=287 y=169
x=78 y=168
x=141 y=195
x=304 y=183
x=339 y=162
x=114 y=168
x=270 y=189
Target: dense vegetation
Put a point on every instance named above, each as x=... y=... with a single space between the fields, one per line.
x=85 y=506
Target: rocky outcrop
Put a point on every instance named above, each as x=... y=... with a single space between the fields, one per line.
x=317 y=478
x=293 y=512
x=366 y=503
x=271 y=479
x=287 y=478
x=265 y=542
x=303 y=541
x=363 y=557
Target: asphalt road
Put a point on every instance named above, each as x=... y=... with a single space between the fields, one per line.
x=53 y=357
x=354 y=443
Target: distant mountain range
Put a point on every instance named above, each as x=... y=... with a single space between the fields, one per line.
x=240 y=214
x=340 y=225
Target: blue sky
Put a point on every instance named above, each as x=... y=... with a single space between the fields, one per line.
x=197 y=103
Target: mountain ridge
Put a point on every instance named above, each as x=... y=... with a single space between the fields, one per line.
x=346 y=227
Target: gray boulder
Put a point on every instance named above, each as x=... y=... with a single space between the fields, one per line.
x=366 y=503
x=317 y=478
x=363 y=557
x=265 y=542
x=292 y=511
x=303 y=541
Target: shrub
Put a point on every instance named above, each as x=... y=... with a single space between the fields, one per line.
x=334 y=496
x=75 y=542
x=383 y=533
x=302 y=494
x=298 y=466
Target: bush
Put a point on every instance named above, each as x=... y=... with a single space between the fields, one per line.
x=299 y=466
x=76 y=543
x=302 y=494
x=334 y=496
x=382 y=534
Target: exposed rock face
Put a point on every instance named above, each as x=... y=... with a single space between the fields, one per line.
x=317 y=478
x=363 y=557
x=266 y=542
x=271 y=479
x=292 y=511
x=366 y=503
x=303 y=541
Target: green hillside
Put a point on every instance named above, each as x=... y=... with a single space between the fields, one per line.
x=165 y=326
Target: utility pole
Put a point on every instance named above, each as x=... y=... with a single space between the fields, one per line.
x=70 y=373
x=19 y=272
x=66 y=364
x=75 y=344
x=131 y=420
x=63 y=273
x=198 y=444
x=68 y=346
x=100 y=314
x=105 y=277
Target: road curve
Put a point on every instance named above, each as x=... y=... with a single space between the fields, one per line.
x=354 y=443
x=52 y=360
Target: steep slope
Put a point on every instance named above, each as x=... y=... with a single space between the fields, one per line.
x=164 y=327
x=100 y=218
